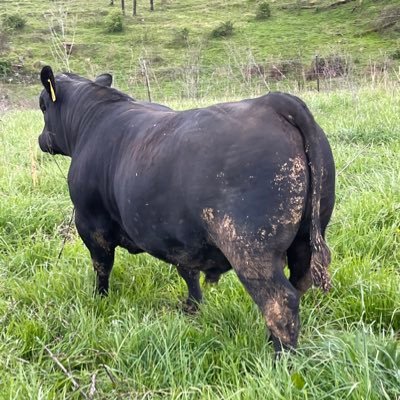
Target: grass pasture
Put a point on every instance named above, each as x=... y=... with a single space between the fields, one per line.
x=138 y=344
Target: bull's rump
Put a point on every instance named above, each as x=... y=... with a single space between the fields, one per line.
x=237 y=160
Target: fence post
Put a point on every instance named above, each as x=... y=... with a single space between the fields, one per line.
x=317 y=71
x=143 y=66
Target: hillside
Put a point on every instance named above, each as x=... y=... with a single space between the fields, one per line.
x=175 y=47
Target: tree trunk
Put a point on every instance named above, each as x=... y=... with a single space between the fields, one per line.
x=151 y=5
x=134 y=7
x=123 y=6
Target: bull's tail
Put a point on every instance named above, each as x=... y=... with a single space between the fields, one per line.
x=297 y=113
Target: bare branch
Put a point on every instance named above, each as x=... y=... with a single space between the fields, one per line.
x=352 y=160
x=92 y=389
x=66 y=372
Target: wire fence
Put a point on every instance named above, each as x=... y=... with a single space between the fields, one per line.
x=248 y=77
x=242 y=76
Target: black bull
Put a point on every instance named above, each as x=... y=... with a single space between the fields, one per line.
x=247 y=185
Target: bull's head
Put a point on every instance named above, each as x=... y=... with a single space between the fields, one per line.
x=51 y=101
x=48 y=104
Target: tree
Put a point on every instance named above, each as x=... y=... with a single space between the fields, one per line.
x=134 y=10
x=123 y=6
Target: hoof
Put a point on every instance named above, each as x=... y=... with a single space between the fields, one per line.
x=279 y=347
x=190 y=307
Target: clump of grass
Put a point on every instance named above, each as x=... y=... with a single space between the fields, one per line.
x=263 y=11
x=225 y=29
x=180 y=38
x=14 y=21
x=113 y=22
x=5 y=68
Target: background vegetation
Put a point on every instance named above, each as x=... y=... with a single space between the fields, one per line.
x=192 y=49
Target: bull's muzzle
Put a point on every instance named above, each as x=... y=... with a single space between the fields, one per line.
x=44 y=143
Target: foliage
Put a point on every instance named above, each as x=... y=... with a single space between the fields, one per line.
x=334 y=30
x=395 y=55
x=136 y=343
x=225 y=29
x=330 y=66
x=263 y=11
x=5 y=67
x=181 y=38
x=114 y=22
x=14 y=21
x=389 y=16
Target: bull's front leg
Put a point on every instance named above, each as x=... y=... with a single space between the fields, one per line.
x=99 y=237
x=192 y=279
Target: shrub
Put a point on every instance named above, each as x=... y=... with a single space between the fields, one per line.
x=14 y=21
x=332 y=66
x=263 y=11
x=223 y=30
x=113 y=22
x=5 y=68
x=181 y=38
x=388 y=17
x=395 y=55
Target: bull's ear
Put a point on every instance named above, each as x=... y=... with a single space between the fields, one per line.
x=104 y=80
x=48 y=81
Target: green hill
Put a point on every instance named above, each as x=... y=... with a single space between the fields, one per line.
x=183 y=53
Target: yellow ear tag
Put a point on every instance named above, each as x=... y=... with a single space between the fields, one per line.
x=53 y=95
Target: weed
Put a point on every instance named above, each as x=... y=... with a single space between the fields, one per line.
x=180 y=38
x=113 y=22
x=225 y=29
x=14 y=21
x=5 y=68
x=263 y=11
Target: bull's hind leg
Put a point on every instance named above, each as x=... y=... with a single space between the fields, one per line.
x=258 y=258
x=98 y=237
x=192 y=279
x=277 y=299
x=299 y=258
x=299 y=252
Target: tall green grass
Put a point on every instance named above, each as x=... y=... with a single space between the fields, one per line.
x=137 y=343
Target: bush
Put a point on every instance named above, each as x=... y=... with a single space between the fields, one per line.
x=5 y=68
x=263 y=11
x=113 y=22
x=181 y=38
x=388 y=17
x=223 y=30
x=395 y=55
x=13 y=21
x=332 y=66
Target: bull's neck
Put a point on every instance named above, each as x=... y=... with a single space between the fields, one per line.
x=77 y=121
